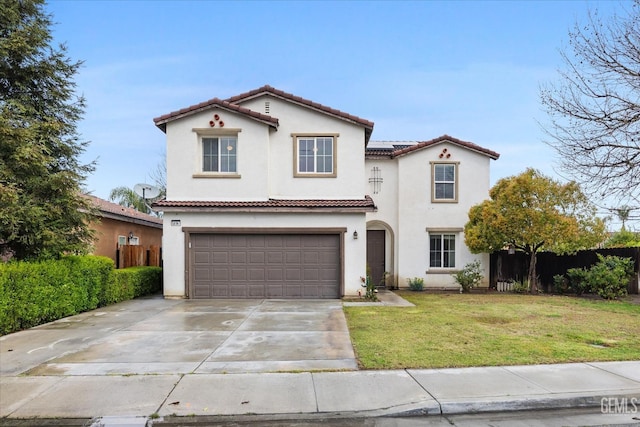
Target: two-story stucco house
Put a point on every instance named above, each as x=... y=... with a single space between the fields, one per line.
x=269 y=195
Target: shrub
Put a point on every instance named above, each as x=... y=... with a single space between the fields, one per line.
x=560 y=285
x=578 y=280
x=610 y=276
x=470 y=276
x=32 y=293
x=133 y=282
x=520 y=287
x=416 y=284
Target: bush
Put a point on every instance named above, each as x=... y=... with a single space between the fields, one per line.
x=608 y=278
x=33 y=293
x=133 y=282
x=416 y=284
x=578 y=280
x=470 y=276
x=520 y=287
x=560 y=285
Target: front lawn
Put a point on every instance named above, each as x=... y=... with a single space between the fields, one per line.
x=455 y=330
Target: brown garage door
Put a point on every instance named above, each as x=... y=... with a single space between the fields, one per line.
x=265 y=266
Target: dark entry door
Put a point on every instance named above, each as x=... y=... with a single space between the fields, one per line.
x=375 y=255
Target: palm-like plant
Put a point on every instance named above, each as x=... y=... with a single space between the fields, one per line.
x=125 y=196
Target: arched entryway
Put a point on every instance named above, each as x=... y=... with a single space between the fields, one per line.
x=380 y=244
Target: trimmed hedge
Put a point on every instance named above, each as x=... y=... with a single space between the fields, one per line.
x=33 y=293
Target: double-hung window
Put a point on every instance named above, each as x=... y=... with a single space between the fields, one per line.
x=219 y=154
x=315 y=155
x=445 y=182
x=442 y=250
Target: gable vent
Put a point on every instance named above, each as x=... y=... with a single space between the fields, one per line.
x=267 y=104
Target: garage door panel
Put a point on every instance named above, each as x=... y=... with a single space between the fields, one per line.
x=202 y=274
x=256 y=257
x=265 y=266
x=202 y=258
x=238 y=274
x=275 y=274
x=236 y=257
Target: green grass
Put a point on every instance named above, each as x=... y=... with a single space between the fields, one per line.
x=456 y=330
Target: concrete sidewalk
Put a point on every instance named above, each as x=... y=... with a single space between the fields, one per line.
x=356 y=393
x=150 y=360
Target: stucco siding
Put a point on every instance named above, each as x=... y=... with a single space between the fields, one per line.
x=406 y=205
x=350 y=147
x=184 y=160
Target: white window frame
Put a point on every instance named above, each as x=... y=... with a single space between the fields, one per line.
x=315 y=138
x=208 y=133
x=226 y=148
x=435 y=183
x=453 y=253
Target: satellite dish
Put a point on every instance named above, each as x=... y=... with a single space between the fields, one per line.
x=146 y=191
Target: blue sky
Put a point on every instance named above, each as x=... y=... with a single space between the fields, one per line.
x=418 y=70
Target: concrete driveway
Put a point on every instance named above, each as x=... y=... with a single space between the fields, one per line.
x=158 y=336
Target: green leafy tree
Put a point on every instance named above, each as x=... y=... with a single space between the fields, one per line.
x=532 y=213
x=623 y=238
x=42 y=210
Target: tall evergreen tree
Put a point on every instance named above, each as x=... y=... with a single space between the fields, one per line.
x=42 y=210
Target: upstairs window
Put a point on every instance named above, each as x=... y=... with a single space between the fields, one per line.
x=219 y=154
x=445 y=182
x=315 y=156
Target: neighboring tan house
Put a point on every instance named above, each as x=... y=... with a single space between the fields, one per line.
x=267 y=198
x=119 y=225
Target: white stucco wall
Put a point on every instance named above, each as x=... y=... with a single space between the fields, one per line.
x=294 y=120
x=174 y=253
x=411 y=212
x=184 y=159
x=386 y=216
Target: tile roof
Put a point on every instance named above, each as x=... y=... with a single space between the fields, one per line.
x=162 y=121
x=365 y=204
x=231 y=104
x=400 y=150
x=116 y=211
x=266 y=89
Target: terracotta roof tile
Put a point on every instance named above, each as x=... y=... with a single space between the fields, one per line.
x=162 y=121
x=107 y=207
x=400 y=151
x=356 y=204
x=288 y=96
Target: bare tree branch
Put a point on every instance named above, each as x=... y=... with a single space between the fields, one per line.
x=594 y=107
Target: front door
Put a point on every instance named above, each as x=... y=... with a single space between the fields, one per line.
x=375 y=255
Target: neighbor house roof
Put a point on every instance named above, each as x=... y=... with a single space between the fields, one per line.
x=231 y=104
x=272 y=205
x=392 y=150
x=162 y=121
x=121 y=213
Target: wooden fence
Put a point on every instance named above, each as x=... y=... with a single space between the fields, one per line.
x=136 y=255
x=506 y=268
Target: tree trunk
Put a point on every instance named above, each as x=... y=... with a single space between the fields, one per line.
x=533 y=278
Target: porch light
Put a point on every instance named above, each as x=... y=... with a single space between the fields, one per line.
x=355 y=235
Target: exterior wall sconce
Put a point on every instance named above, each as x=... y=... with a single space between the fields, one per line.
x=130 y=235
x=355 y=235
x=511 y=250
